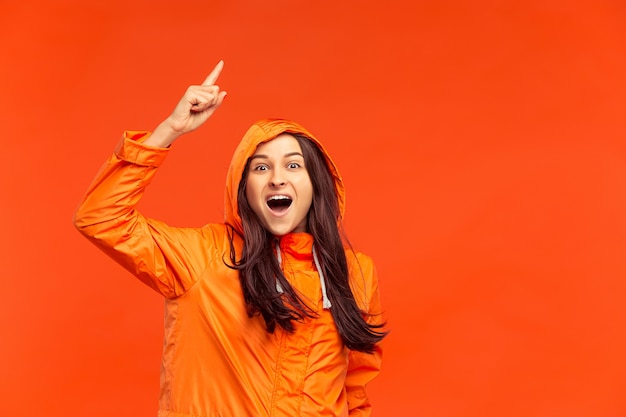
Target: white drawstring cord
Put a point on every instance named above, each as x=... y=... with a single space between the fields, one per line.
x=279 y=289
x=325 y=300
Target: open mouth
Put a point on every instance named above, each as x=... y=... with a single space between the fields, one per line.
x=279 y=203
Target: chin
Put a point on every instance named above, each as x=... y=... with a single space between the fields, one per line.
x=280 y=232
x=284 y=226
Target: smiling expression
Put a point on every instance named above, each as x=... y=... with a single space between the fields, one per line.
x=278 y=186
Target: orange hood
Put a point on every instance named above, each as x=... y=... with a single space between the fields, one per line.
x=260 y=132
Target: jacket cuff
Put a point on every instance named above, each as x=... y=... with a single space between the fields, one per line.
x=131 y=149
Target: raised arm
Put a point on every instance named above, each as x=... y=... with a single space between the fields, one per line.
x=195 y=107
x=156 y=253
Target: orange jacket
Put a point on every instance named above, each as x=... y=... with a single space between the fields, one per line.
x=216 y=360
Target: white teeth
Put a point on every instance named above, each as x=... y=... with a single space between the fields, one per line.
x=279 y=197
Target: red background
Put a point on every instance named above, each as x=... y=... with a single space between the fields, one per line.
x=482 y=145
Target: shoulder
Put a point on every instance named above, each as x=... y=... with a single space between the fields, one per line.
x=212 y=237
x=363 y=277
x=214 y=231
x=220 y=235
x=358 y=262
x=223 y=238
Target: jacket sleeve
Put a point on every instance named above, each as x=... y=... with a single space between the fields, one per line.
x=160 y=256
x=364 y=367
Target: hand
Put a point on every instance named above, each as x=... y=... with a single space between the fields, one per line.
x=195 y=107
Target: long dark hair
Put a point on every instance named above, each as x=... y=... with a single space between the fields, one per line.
x=259 y=269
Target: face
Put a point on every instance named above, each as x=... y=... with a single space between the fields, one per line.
x=278 y=187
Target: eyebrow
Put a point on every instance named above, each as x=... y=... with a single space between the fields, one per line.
x=262 y=156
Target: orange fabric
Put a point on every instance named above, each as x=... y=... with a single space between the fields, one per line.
x=216 y=360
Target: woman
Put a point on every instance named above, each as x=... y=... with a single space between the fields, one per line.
x=266 y=314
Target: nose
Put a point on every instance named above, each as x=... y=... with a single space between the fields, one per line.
x=278 y=178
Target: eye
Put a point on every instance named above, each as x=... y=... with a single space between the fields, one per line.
x=293 y=165
x=260 y=167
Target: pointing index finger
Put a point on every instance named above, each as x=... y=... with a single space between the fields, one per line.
x=212 y=78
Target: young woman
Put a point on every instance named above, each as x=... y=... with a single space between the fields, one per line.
x=267 y=313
